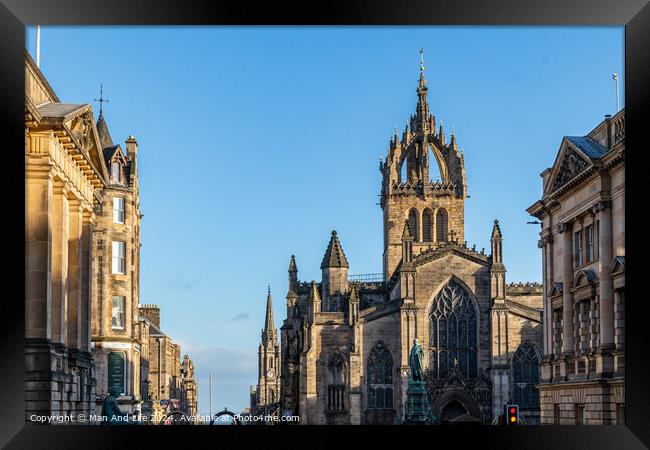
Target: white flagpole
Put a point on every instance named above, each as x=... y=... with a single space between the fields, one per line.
x=38 y=46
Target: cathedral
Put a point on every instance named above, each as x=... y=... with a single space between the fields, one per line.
x=343 y=352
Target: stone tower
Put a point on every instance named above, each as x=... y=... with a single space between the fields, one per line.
x=334 y=268
x=268 y=380
x=434 y=207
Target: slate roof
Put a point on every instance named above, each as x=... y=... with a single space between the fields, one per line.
x=109 y=152
x=588 y=146
x=59 y=110
x=104 y=134
x=334 y=256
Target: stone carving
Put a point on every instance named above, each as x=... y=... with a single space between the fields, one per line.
x=572 y=165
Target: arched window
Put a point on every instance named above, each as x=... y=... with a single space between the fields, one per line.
x=379 y=382
x=116 y=171
x=413 y=224
x=525 y=375
x=403 y=176
x=427 y=223
x=442 y=221
x=453 y=334
x=335 y=383
x=434 y=168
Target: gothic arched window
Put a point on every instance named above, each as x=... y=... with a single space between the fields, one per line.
x=379 y=382
x=335 y=383
x=525 y=375
x=453 y=334
x=442 y=221
x=413 y=223
x=434 y=167
x=427 y=223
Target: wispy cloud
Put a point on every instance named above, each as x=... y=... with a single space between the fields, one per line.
x=181 y=284
x=240 y=316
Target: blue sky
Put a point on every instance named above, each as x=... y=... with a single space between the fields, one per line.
x=254 y=142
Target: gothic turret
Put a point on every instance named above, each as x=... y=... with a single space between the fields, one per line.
x=293 y=274
x=335 y=270
x=353 y=305
x=497 y=269
x=314 y=301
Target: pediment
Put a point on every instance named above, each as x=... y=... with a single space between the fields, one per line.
x=437 y=252
x=618 y=265
x=82 y=128
x=569 y=163
x=585 y=277
x=556 y=290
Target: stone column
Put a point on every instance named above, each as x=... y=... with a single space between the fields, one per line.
x=605 y=248
x=543 y=244
x=86 y=280
x=434 y=238
x=74 y=274
x=548 y=308
x=567 y=283
x=38 y=253
x=59 y=232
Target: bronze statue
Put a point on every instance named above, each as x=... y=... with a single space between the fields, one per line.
x=416 y=361
x=110 y=409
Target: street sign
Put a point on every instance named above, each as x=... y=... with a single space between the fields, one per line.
x=117 y=370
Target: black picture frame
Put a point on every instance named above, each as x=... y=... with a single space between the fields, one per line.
x=15 y=14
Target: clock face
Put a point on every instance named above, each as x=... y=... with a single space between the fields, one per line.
x=269 y=374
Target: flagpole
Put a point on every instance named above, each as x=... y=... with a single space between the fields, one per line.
x=38 y=46
x=210 y=375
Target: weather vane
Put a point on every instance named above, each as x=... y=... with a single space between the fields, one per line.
x=422 y=60
x=101 y=98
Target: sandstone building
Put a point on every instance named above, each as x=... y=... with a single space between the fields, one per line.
x=582 y=210
x=65 y=175
x=345 y=340
x=116 y=342
x=170 y=381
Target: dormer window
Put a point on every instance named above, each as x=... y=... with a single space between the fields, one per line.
x=116 y=172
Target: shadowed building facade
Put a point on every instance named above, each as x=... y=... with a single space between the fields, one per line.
x=65 y=175
x=83 y=328
x=582 y=210
x=345 y=340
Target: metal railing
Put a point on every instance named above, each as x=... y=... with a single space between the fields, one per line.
x=367 y=278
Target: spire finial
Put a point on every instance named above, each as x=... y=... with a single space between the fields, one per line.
x=421 y=60
x=101 y=98
x=421 y=85
x=269 y=288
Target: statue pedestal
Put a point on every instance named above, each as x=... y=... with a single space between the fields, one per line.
x=417 y=408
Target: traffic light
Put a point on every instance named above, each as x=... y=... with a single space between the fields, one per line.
x=512 y=414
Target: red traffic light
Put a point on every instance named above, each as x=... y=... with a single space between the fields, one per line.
x=512 y=412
